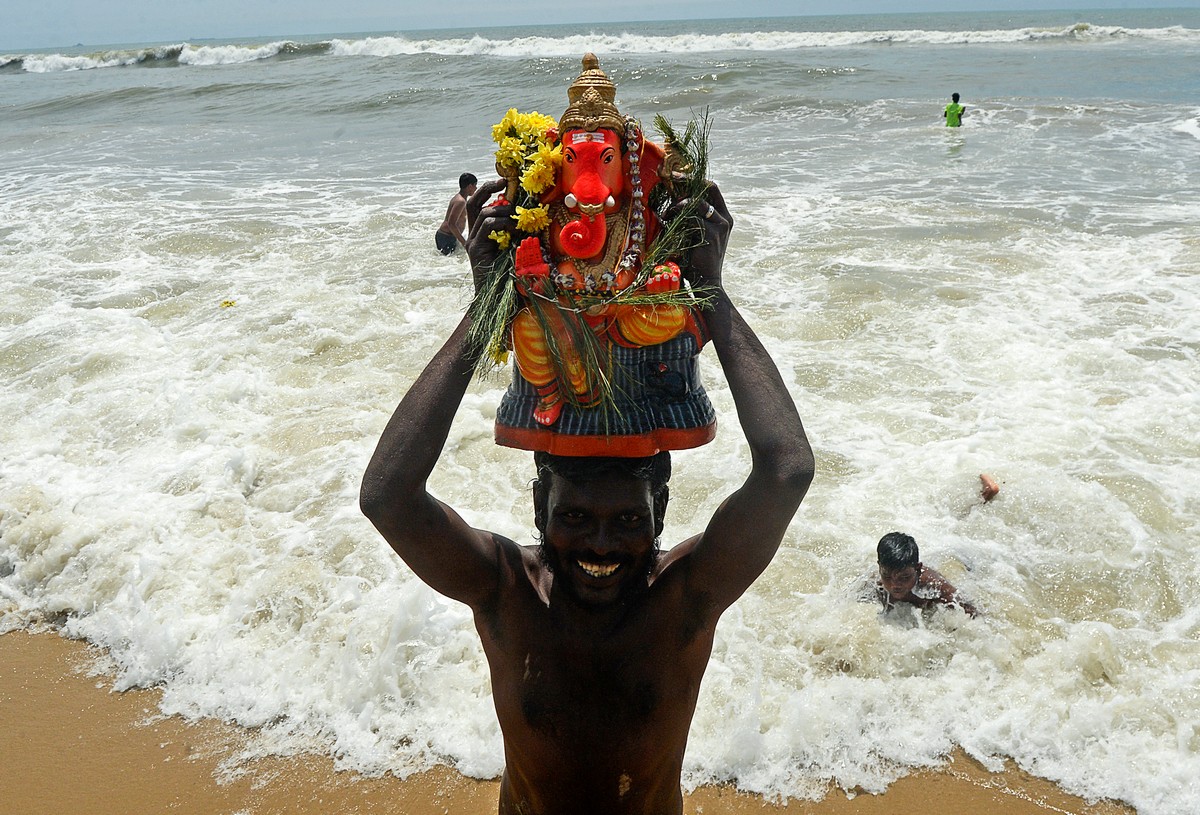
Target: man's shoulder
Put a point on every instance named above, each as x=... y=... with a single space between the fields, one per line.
x=516 y=553
x=933 y=585
x=674 y=562
x=526 y=567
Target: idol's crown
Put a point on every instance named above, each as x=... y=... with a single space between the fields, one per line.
x=592 y=100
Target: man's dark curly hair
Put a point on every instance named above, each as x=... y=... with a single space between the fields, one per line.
x=655 y=470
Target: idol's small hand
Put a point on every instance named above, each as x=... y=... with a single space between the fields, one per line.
x=481 y=249
x=664 y=279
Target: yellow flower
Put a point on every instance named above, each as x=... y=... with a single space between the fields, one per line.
x=551 y=155
x=527 y=128
x=538 y=177
x=505 y=127
x=502 y=239
x=532 y=127
x=532 y=220
x=511 y=153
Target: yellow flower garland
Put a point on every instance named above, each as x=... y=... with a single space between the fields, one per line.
x=526 y=149
x=533 y=219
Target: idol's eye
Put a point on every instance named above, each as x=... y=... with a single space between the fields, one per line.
x=608 y=158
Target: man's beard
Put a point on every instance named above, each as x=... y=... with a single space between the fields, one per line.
x=550 y=562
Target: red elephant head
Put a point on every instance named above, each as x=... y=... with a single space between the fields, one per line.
x=592 y=184
x=606 y=163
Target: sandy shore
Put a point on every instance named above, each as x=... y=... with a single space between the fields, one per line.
x=69 y=744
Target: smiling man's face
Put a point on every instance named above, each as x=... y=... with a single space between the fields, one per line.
x=599 y=536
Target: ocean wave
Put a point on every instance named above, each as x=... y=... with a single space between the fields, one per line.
x=56 y=63
x=187 y=54
x=162 y=56
x=626 y=43
x=236 y=54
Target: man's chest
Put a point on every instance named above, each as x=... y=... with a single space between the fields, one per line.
x=566 y=684
x=559 y=691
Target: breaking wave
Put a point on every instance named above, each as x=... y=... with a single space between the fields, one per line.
x=187 y=54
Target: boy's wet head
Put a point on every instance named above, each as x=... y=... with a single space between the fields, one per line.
x=899 y=564
x=897 y=551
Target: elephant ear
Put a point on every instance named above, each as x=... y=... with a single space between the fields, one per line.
x=652 y=159
x=652 y=162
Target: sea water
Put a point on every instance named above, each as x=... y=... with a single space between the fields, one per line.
x=217 y=278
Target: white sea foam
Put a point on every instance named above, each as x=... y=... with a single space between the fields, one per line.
x=624 y=42
x=1191 y=127
x=227 y=54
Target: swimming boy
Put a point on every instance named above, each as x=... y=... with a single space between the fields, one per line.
x=450 y=234
x=596 y=640
x=904 y=579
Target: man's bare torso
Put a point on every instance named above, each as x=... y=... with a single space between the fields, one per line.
x=595 y=706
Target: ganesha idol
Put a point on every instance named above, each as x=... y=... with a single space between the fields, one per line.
x=606 y=351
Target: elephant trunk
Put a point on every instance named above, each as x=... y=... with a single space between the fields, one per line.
x=585 y=236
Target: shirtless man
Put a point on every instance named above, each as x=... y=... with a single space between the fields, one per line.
x=596 y=641
x=450 y=234
x=904 y=579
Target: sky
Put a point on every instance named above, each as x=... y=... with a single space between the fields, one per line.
x=37 y=24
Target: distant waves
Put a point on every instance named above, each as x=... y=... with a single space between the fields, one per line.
x=181 y=54
x=186 y=54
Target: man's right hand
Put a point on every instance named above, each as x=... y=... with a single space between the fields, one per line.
x=483 y=221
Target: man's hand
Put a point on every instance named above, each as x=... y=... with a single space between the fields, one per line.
x=483 y=221
x=704 y=261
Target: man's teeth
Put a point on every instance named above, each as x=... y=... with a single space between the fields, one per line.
x=597 y=569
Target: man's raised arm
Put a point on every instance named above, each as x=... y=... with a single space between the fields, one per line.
x=747 y=528
x=437 y=544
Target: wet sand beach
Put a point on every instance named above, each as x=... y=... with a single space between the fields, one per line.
x=70 y=744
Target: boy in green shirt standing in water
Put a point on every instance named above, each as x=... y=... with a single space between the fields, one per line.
x=954 y=112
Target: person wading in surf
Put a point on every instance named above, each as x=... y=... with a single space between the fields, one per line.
x=596 y=641
x=903 y=578
x=954 y=112
x=450 y=234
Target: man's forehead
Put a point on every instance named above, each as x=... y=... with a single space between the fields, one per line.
x=602 y=488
